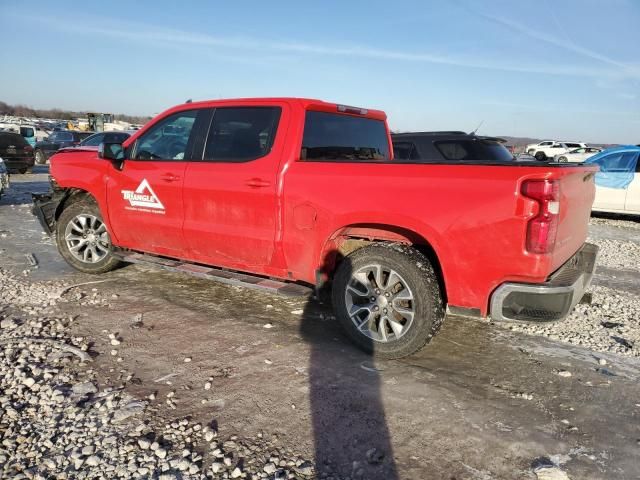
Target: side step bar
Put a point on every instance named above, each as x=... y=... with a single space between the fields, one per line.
x=219 y=275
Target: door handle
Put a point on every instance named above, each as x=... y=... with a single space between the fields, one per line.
x=257 y=183
x=170 y=177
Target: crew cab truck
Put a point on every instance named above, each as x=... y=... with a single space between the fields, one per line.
x=301 y=191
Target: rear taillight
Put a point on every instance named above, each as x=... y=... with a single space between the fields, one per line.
x=542 y=229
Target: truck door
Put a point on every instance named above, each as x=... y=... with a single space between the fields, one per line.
x=230 y=201
x=145 y=197
x=615 y=166
x=632 y=201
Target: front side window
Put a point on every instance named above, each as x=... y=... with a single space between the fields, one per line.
x=168 y=139
x=241 y=134
x=545 y=144
x=331 y=136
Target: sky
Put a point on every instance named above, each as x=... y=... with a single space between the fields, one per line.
x=557 y=69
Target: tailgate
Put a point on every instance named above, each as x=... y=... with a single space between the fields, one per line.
x=577 y=192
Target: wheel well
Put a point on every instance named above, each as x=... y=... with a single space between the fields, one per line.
x=350 y=239
x=73 y=195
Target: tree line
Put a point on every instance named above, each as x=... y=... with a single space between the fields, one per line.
x=57 y=113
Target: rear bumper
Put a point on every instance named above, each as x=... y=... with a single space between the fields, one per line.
x=549 y=301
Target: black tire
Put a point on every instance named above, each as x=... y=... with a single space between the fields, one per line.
x=416 y=270
x=23 y=170
x=41 y=159
x=562 y=159
x=86 y=207
x=541 y=157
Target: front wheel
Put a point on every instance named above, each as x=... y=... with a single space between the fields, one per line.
x=388 y=300
x=540 y=156
x=562 y=159
x=83 y=239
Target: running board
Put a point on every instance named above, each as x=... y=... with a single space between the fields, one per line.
x=219 y=275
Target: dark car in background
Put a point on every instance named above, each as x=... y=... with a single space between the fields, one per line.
x=55 y=141
x=447 y=146
x=104 y=137
x=16 y=152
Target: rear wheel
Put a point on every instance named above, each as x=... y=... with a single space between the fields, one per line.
x=40 y=158
x=562 y=159
x=387 y=299
x=541 y=157
x=83 y=240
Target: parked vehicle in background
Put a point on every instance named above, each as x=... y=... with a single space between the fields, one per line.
x=104 y=137
x=545 y=153
x=55 y=141
x=16 y=152
x=577 y=155
x=532 y=147
x=618 y=182
x=4 y=177
x=299 y=190
x=28 y=132
x=447 y=146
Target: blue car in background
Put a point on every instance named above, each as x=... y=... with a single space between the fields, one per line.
x=618 y=181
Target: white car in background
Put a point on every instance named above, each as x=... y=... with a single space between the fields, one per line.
x=577 y=155
x=618 y=182
x=547 y=152
x=532 y=147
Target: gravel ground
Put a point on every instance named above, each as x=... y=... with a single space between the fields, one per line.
x=611 y=323
x=56 y=421
x=618 y=254
x=615 y=221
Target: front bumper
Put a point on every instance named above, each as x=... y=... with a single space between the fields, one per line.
x=549 y=301
x=44 y=207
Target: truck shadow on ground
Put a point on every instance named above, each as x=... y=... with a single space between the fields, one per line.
x=350 y=432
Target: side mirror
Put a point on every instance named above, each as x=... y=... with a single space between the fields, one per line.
x=114 y=152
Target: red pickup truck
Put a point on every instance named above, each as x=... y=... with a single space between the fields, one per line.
x=288 y=191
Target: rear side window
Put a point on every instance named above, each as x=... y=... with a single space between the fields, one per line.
x=7 y=139
x=573 y=145
x=64 y=137
x=241 y=134
x=464 y=150
x=330 y=136
x=405 y=151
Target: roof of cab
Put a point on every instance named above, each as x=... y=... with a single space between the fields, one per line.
x=306 y=103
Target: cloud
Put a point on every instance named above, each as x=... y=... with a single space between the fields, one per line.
x=163 y=37
x=625 y=70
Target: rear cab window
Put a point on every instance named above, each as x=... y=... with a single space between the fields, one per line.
x=12 y=139
x=343 y=138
